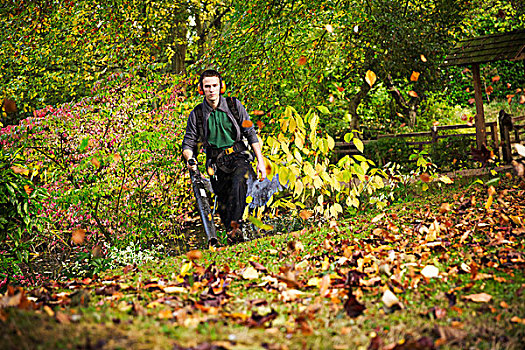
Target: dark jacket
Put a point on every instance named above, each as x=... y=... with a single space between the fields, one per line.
x=191 y=137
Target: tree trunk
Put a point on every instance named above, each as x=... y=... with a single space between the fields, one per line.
x=354 y=104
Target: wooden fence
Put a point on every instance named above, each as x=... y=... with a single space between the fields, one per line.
x=511 y=131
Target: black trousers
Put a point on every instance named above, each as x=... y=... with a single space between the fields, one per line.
x=231 y=187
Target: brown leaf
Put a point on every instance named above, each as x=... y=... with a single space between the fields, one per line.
x=62 y=317
x=194 y=255
x=301 y=61
x=258 y=266
x=425 y=177
x=306 y=214
x=478 y=298
x=496 y=78
x=445 y=208
x=78 y=235
x=412 y=93
x=352 y=307
x=9 y=105
x=324 y=285
x=18 y=170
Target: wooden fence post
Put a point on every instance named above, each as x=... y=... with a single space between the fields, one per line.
x=505 y=125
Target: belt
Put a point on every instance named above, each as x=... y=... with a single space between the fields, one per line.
x=213 y=152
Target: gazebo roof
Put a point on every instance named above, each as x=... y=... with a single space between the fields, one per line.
x=488 y=48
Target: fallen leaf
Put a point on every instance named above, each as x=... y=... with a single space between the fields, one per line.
x=389 y=299
x=445 y=208
x=194 y=255
x=430 y=271
x=478 y=298
x=250 y=273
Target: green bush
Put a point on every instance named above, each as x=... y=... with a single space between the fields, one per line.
x=21 y=221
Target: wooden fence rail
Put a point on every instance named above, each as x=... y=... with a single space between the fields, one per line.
x=434 y=136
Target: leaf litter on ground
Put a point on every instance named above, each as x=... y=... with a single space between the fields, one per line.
x=444 y=270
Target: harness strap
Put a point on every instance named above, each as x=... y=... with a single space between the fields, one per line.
x=232 y=105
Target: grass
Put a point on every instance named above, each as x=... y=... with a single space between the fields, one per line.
x=221 y=303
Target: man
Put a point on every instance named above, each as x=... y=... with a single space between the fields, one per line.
x=221 y=125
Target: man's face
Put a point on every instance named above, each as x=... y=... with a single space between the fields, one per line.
x=212 y=89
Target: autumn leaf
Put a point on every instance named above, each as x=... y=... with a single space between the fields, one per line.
x=329 y=28
x=247 y=124
x=117 y=158
x=489 y=90
x=258 y=112
x=522 y=99
x=445 y=208
x=414 y=76
x=412 y=93
x=445 y=179
x=471 y=100
x=430 y=271
x=301 y=61
x=28 y=189
x=423 y=58
x=370 y=77
x=425 y=177
x=194 y=255
x=95 y=162
x=305 y=214
x=478 y=298
x=78 y=235
x=250 y=273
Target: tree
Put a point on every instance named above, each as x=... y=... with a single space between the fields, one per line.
x=53 y=51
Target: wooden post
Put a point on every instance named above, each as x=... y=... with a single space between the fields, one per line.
x=481 y=133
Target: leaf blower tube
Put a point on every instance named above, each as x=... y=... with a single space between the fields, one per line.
x=199 y=190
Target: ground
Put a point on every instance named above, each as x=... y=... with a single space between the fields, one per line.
x=444 y=269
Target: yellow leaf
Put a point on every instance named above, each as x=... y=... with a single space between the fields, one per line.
x=358 y=144
x=446 y=179
x=423 y=58
x=489 y=202
x=186 y=268
x=370 y=77
x=314 y=282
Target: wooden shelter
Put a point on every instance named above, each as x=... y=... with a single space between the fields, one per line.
x=489 y=48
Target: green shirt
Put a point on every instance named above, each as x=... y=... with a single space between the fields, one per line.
x=221 y=130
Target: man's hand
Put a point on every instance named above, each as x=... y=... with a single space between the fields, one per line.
x=261 y=170
x=192 y=164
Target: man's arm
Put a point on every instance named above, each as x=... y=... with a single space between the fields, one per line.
x=261 y=166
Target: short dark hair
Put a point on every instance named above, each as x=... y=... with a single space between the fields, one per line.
x=210 y=73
